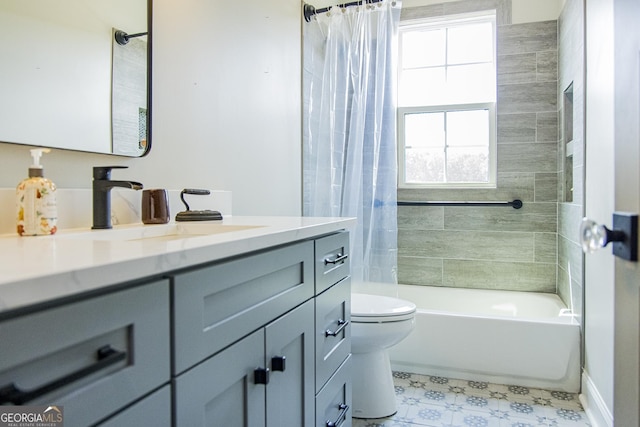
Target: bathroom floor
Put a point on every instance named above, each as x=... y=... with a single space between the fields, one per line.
x=444 y=402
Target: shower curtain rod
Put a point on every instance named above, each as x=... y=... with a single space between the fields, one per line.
x=516 y=203
x=309 y=10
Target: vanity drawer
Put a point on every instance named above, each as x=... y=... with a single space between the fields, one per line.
x=93 y=357
x=215 y=306
x=333 y=402
x=333 y=330
x=332 y=260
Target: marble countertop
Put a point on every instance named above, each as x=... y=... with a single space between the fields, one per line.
x=36 y=270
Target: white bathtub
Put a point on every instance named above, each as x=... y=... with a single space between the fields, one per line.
x=505 y=337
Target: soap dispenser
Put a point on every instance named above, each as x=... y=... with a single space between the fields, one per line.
x=36 y=201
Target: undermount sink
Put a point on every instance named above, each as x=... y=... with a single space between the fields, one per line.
x=162 y=232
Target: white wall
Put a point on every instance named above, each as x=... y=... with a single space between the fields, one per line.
x=535 y=10
x=226 y=108
x=522 y=10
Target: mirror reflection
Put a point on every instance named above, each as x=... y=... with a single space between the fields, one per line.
x=66 y=83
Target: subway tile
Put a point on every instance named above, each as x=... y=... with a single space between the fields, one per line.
x=578 y=151
x=478 y=245
x=503 y=9
x=570 y=292
x=514 y=276
x=529 y=37
x=420 y=271
x=547 y=127
x=527 y=98
x=528 y=158
x=464 y=6
x=576 y=298
x=538 y=157
x=421 y=217
x=563 y=286
x=569 y=217
x=517 y=68
x=547 y=66
x=570 y=258
x=546 y=187
x=546 y=247
x=533 y=217
x=510 y=185
x=419 y=12
x=516 y=185
x=504 y=12
x=578 y=185
x=517 y=127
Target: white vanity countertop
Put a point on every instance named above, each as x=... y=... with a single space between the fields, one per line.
x=39 y=269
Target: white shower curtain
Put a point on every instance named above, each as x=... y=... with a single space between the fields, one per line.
x=349 y=162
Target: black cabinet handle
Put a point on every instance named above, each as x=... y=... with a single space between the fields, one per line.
x=278 y=363
x=341 y=325
x=106 y=356
x=261 y=376
x=343 y=414
x=339 y=258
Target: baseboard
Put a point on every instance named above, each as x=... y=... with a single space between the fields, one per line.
x=594 y=406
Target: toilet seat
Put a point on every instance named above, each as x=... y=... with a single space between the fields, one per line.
x=367 y=308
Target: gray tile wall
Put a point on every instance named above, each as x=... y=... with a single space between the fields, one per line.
x=571 y=70
x=497 y=247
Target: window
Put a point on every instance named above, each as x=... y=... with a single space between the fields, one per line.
x=446 y=103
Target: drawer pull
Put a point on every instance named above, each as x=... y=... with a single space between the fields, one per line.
x=278 y=363
x=341 y=417
x=106 y=356
x=337 y=259
x=341 y=325
x=261 y=376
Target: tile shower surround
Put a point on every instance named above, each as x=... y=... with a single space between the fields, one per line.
x=430 y=401
x=500 y=247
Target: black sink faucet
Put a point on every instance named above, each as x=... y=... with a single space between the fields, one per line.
x=102 y=186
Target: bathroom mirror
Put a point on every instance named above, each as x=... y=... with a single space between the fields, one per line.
x=65 y=82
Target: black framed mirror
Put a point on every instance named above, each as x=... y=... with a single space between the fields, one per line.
x=67 y=82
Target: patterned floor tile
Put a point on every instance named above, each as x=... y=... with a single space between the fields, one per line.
x=432 y=401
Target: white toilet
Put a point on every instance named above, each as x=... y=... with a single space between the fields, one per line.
x=377 y=323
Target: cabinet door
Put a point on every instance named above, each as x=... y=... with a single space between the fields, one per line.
x=221 y=391
x=290 y=356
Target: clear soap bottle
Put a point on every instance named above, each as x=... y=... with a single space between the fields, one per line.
x=37 y=210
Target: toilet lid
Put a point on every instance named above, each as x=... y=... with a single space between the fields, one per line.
x=369 y=307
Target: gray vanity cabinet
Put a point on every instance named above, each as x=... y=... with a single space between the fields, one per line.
x=257 y=340
x=265 y=379
x=93 y=357
x=333 y=331
x=265 y=339
x=243 y=336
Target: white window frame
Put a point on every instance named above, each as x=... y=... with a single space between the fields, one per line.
x=490 y=106
x=492 y=172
